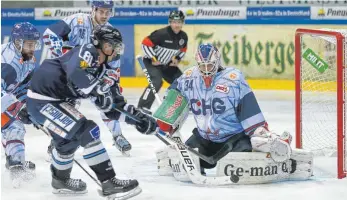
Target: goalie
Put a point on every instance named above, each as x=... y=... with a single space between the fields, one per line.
x=226 y=113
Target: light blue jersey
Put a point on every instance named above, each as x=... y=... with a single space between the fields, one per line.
x=74 y=30
x=226 y=108
x=13 y=72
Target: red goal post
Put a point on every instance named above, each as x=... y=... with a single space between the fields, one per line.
x=320 y=92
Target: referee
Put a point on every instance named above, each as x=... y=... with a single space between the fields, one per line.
x=163 y=49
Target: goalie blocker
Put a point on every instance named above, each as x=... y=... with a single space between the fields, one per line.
x=275 y=161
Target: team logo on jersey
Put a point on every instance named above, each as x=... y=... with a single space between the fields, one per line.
x=83 y=64
x=232 y=76
x=188 y=73
x=203 y=107
x=80 y=20
x=58 y=117
x=181 y=42
x=222 y=88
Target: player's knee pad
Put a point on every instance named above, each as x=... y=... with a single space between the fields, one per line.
x=14 y=141
x=62 y=161
x=89 y=132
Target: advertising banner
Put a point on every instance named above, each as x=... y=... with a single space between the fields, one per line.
x=260 y=52
x=58 y=13
x=210 y=3
x=142 y=12
x=324 y=13
x=214 y=12
x=278 y=12
x=24 y=14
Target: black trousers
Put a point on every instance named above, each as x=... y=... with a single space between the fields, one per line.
x=157 y=74
x=209 y=148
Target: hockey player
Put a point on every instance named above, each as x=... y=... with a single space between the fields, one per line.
x=76 y=30
x=17 y=65
x=81 y=73
x=225 y=110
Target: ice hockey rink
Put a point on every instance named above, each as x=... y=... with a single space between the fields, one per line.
x=278 y=108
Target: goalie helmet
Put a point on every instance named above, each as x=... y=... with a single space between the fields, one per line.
x=208 y=62
x=108 y=34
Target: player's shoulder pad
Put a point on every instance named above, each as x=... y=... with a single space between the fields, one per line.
x=88 y=54
x=232 y=74
x=189 y=73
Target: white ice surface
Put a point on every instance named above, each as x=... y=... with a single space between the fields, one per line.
x=278 y=108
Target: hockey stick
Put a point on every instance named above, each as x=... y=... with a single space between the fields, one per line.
x=210 y=159
x=36 y=124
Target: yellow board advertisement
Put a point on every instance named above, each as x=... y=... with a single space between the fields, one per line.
x=259 y=51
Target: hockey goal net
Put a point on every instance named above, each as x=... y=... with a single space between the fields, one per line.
x=320 y=78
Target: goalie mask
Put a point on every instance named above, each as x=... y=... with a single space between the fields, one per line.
x=208 y=62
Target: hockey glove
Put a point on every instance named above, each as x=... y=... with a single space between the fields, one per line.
x=147 y=125
x=104 y=102
x=24 y=116
x=108 y=78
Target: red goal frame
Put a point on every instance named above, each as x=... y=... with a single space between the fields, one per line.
x=341 y=126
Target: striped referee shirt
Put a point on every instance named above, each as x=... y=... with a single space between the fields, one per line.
x=164 y=45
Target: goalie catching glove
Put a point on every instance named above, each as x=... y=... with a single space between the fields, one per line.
x=277 y=145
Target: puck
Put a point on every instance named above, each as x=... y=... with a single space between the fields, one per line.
x=234 y=178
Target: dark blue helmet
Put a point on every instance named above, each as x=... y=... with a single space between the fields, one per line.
x=103 y=4
x=25 y=31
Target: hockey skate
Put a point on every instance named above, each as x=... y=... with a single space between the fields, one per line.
x=122 y=145
x=116 y=189
x=67 y=186
x=20 y=172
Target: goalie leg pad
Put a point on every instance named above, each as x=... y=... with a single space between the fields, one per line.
x=163 y=161
x=169 y=163
x=258 y=167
